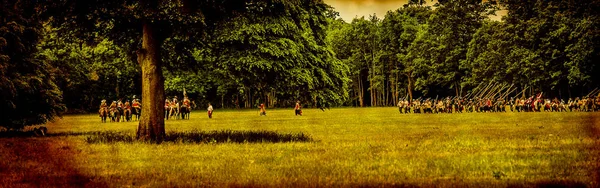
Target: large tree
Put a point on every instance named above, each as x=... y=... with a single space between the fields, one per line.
x=28 y=93
x=148 y=27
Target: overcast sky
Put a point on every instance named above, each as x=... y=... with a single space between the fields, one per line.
x=349 y=9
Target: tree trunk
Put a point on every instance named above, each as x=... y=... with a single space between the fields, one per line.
x=361 y=92
x=456 y=89
x=152 y=122
x=396 y=93
x=387 y=91
x=371 y=90
x=410 y=88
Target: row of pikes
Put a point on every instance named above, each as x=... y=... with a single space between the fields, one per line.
x=493 y=99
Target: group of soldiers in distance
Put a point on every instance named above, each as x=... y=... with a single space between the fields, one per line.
x=119 y=111
x=531 y=104
x=179 y=110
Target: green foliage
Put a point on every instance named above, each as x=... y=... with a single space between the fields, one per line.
x=89 y=73
x=268 y=50
x=28 y=92
x=216 y=49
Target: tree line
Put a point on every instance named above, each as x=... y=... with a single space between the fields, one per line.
x=448 y=49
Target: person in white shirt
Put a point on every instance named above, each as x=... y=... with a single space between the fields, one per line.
x=210 y=110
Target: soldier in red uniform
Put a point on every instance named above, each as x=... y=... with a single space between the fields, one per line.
x=167 y=108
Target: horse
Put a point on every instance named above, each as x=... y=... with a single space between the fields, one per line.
x=174 y=111
x=185 y=112
x=127 y=113
x=136 y=112
x=114 y=115
x=103 y=114
x=121 y=117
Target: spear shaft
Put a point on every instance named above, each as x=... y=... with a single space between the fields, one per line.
x=475 y=89
x=517 y=95
x=484 y=90
x=487 y=94
x=503 y=95
x=592 y=92
x=497 y=91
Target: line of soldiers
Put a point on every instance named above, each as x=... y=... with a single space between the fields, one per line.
x=531 y=104
x=118 y=111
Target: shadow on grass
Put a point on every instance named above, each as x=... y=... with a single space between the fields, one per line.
x=208 y=137
x=36 y=133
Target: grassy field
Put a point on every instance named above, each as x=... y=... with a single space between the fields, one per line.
x=351 y=147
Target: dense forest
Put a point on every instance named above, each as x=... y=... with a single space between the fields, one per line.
x=68 y=55
x=452 y=47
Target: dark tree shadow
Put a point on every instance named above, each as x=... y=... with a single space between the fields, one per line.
x=208 y=137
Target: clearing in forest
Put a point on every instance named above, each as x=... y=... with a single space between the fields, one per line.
x=349 y=147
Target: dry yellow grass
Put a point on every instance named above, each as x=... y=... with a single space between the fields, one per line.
x=352 y=147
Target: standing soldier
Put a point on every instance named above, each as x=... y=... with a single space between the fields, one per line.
x=440 y=106
x=210 y=110
x=263 y=111
x=448 y=104
x=128 y=110
x=298 y=108
x=488 y=105
x=511 y=104
x=187 y=103
x=400 y=106
x=167 y=108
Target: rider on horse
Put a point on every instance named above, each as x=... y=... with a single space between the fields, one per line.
x=113 y=106
x=127 y=105
x=103 y=107
x=136 y=104
x=103 y=104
